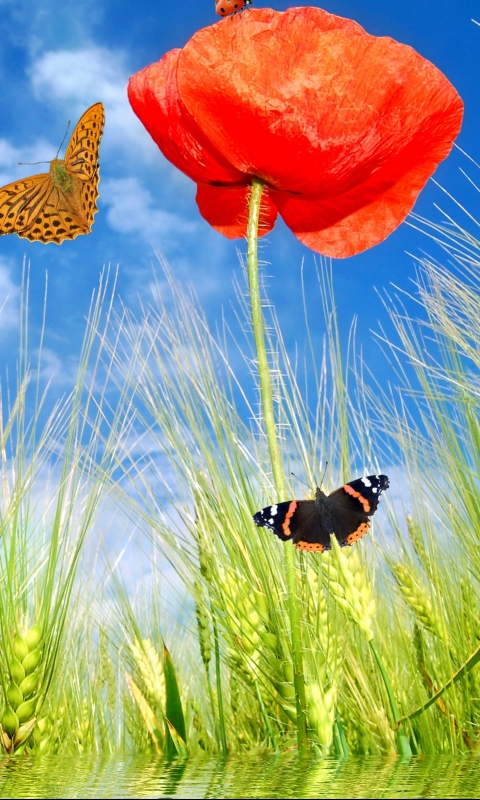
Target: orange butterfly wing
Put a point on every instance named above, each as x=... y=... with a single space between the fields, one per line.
x=81 y=158
x=21 y=203
x=39 y=208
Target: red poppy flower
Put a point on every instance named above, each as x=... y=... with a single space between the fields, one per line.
x=344 y=128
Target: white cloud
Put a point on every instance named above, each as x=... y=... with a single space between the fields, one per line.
x=9 y=300
x=132 y=210
x=10 y=170
x=55 y=370
x=79 y=78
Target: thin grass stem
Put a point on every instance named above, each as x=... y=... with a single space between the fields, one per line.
x=221 y=716
x=403 y=743
x=265 y=716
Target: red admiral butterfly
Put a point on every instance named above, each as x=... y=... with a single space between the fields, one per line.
x=309 y=523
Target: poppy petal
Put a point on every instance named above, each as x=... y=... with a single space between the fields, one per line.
x=226 y=209
x=308 y=101
x=316 y=107
x=367 y=214
x=154 y=97
x=344 y=128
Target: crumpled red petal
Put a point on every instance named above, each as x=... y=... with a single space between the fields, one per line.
x=154 y=97
x=316 y=107
x=226 y=209
x=344 y=128
x=367 y=214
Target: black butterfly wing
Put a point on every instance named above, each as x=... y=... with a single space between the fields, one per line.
x=310 y=529
x=352 y=505
x=298 y=521
x=277 y=519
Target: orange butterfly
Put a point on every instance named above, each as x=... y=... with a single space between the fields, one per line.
x=60 y=204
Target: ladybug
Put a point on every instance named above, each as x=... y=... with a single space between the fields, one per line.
x=226 y=8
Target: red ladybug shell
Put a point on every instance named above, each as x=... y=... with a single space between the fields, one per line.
x=225 y=8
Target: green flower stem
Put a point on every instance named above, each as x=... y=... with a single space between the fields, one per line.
x=402 y=740
x=275 y=457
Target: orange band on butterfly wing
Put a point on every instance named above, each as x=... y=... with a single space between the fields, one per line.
x=313 y=547
x=366 y=505
x=286 y=522
x=356 y=535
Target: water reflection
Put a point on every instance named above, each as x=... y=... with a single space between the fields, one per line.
x=267 y=776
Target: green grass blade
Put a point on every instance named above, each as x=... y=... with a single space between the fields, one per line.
x=464 y=669
x=173 y=703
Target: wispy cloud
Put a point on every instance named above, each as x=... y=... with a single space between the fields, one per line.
x=10 y=170
x=57 y=370
x=132 y=210
x=81 y=77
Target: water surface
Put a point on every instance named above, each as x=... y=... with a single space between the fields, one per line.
x=242 y=776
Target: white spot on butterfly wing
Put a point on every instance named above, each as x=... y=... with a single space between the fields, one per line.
x=366 y=482
x=273 y=511
x=374 y=489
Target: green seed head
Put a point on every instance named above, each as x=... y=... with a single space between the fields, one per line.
x=321 y=715
x=348 y=584
x=276 y=665
x=26 y=710
x=42 y=725
x=248 y=645
x=33 y=637
x=291 y=712
x=29 y=684
x=31 y=661
x=261 y=604
x=10 y=722
x=23 y=733
x=20 y=647
x=5 y=740
x=254 y=619
x=269 y=640
x=151 y=668
x=44 y=746
x=325 y=734
x=203 y=622
x=285 y=690
x=17 y=672
x=234 y=655
x=417 y=599
x=40 y=701
x=14 y=695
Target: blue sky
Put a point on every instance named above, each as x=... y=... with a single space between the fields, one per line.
x=58 y=58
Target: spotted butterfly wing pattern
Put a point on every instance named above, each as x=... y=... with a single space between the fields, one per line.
x=60 y=204
x=22 y=202
x=345 y=512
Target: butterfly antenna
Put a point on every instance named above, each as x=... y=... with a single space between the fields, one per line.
x=324 y=471
x=68 y=125
x=299 y=479
x=306 y=484
x=34 y=163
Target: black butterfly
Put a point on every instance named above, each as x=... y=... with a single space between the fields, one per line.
x=309 y=523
